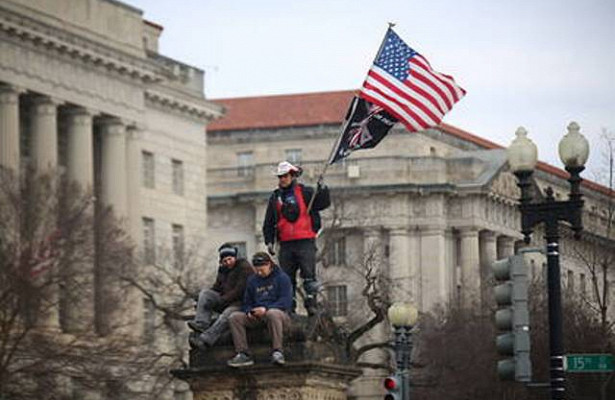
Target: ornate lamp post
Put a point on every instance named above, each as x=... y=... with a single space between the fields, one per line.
x=403 y=317
x=522 y=158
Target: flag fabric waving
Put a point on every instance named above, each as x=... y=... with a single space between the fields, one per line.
x=403 y=83
x=365 y=126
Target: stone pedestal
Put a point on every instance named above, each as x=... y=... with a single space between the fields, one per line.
x=294 y=381
x=314 y=369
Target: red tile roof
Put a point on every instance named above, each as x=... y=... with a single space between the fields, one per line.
x=282 y=111
x=306 y=109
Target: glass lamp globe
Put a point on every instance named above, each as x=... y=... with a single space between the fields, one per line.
x=574 y=148
x=522 y=152
x=403 y=314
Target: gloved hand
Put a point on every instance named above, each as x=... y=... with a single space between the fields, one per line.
x=271 y=249
x=321 y=183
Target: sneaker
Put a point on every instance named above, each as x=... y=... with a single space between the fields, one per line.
x=197 y=326
x=198 y=342
x=277 y=357
x=240 y=360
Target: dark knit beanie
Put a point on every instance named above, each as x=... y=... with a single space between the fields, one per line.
x=227 y=250
x=261 y=258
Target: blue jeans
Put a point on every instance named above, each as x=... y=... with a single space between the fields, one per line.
x=210 y=300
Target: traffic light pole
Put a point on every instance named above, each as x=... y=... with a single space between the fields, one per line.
x=550 y=212
x=403 y=349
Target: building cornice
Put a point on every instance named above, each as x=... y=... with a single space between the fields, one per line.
x=58 y=41
x=205 y=110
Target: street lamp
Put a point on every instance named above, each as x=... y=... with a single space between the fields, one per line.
x=522 y=158
x=403 y=317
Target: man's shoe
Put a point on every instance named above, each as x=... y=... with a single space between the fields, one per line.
x=240 y=360
x=277 y=357
x=196 y=342
x=197 y=326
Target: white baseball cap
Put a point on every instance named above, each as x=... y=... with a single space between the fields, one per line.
x=285 y=167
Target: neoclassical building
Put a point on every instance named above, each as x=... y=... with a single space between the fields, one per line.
x=436 y=207
x=83 y=89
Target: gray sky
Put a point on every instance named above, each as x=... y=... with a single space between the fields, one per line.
x=535 y=63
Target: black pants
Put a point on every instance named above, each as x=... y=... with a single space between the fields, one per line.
x=300 y=255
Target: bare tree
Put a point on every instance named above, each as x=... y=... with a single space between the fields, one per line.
x=597 y=252
x=456 y=346
x=372 y=301
x=50 y=258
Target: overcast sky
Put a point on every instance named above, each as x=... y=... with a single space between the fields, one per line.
x=535 y=63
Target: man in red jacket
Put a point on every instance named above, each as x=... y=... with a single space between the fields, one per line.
x=289 y=222
x=224 y=297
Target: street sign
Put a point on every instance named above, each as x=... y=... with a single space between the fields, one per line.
x=589 y=363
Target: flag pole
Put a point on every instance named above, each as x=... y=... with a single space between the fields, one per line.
x=335 y=145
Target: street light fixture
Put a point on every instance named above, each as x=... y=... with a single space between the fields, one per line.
x=522 y=158
x=403 y=317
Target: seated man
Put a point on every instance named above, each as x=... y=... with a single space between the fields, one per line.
x=267 y=300
x=224 y=297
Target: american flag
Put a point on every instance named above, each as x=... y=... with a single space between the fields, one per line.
x=402 y=82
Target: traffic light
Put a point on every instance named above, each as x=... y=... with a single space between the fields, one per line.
x=392 y=384
x=512 y=319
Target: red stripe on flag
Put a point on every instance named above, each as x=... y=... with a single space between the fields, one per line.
x=437 y=89
x=419 y=60
x=405 y=96
x=410 y=119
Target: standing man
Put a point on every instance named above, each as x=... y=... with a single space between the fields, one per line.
x=289 y=221
x=267 y=300
x=224 y=297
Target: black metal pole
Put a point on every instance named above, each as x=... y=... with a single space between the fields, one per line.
x=403 y=349
x=556 y=337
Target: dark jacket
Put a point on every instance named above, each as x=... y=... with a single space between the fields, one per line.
x=273 y=291
x=321 y=202
x=231 y=282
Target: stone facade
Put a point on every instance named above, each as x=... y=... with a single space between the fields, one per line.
x=439 y=205
x=84 y=91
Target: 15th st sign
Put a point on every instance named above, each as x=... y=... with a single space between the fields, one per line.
x=589 y=363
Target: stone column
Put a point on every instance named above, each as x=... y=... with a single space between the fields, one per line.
x=113 y=164
x=132 y=318
x=77 y=294
x=399 y=265
x=488 y=254
x=80 y=148
x=374 y=261
x=260 y=208
x=434 y=285
x=44 y=133
x=414 y=257
x=469 y=261
x=133 y=163
x=114 y=189
x=9 y=127
x=506 y=246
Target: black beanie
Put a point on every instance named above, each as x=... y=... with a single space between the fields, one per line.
x=226 y=250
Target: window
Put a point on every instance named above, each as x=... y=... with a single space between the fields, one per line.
x=242 y=250
x=338 y=301
x=336 y=254
x=178 y=245
x=149 y=241
x=149 y=173
x=245 y=163
x=293 y=156
x=570 y=280
x=582 y=284
x=149 y=321
x=178 y=177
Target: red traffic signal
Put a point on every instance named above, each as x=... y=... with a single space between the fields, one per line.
x=390 y=383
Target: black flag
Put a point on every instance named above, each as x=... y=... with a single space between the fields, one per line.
x=366 y=124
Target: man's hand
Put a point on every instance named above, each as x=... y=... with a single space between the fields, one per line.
x=271 y=249
x=258 y=312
